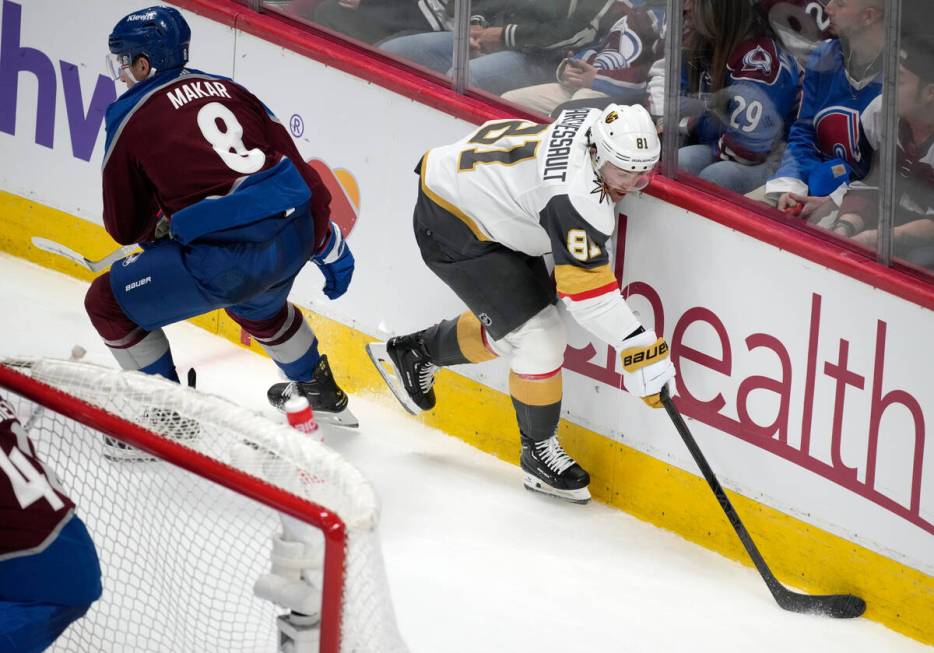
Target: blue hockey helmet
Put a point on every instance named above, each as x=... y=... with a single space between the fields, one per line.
x=160 y=34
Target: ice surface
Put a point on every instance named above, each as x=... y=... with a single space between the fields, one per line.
x=477 y=564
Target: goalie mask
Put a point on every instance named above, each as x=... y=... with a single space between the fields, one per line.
x=160 y=34
x=624 y=148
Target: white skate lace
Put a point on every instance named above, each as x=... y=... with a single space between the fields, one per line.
x=426 y=377
x=290 y=389
x=550 y=452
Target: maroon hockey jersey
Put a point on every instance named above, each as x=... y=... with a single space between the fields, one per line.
x=184 y=136
x=33 y=506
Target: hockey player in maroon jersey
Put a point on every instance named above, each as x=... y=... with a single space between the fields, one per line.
x=490 y=206
x=201 y=174
x=49 y=571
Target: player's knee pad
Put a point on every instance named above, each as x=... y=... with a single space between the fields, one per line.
x=537 y=347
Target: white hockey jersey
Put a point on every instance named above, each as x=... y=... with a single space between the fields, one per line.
x=532 y=188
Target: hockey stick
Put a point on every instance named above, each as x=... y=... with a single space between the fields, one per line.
x=841 y=606
x=94 y=266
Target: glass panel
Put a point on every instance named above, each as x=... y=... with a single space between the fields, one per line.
x=416 y=32
x=547 y=56
x=741 y=72
x=912 y=219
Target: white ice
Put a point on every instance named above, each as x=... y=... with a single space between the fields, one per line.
x=475 y=563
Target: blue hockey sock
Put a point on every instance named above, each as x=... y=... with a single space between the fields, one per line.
x=164 y=366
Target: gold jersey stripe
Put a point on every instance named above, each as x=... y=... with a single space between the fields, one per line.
x=470 y=339
x=573 y=280
x=447 y=206
x=535 y=392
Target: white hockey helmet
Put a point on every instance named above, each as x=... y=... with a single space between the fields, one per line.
x=625 y=135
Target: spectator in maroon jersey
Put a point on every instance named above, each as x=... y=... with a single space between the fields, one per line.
x=913 y=232
x=49 y=571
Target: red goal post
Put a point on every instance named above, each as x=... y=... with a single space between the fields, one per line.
x=267 y=469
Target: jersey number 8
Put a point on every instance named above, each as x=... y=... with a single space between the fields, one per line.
x=228 y=143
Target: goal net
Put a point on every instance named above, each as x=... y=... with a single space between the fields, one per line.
x=183 y=494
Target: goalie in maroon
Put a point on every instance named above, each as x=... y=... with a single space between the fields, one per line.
x=49 y=571
x=209 y=183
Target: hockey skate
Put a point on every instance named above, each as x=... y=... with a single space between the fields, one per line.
x=327 y=400
x=165 y=422
x=405 y=366
x=550 y=470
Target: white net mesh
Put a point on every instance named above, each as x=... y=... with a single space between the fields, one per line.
x=180 y=554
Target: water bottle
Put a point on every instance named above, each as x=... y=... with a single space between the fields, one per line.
x=298 y=412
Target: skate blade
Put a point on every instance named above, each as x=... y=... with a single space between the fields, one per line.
x=387 y=369
x=535 y=484
x=344 y=418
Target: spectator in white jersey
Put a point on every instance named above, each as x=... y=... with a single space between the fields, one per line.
x=49 y=571
x=489 y=208
x=913 y=232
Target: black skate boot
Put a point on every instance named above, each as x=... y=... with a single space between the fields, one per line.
x=415 y=369
x=550 y=470
x=328 y=401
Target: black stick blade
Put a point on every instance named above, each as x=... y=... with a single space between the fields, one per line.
x=839 y=606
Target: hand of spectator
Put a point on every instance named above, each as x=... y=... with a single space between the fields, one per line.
x=485 y=40
x=349 y=4
x=474 y=40
x=867 y=238
x=790 y=203
x=578 y=74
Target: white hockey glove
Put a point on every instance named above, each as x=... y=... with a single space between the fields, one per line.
x=646 y=366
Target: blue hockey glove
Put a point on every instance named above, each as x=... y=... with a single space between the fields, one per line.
x=336 y=263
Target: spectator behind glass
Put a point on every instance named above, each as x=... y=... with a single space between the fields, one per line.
x=372 y=21
x=614 y=69
x=827 y=145
x=913 y=233
x=799 y=24
x=746 y=85
x=513 y=43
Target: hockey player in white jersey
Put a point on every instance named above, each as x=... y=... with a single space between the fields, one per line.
x=490 y=206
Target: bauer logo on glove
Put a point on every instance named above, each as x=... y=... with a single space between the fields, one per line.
x=644 y=356
x=646 y=366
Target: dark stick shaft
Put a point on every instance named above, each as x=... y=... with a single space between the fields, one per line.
x=843 y=606
x=723 y=500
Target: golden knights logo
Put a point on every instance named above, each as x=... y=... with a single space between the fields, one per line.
x=610 y=117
